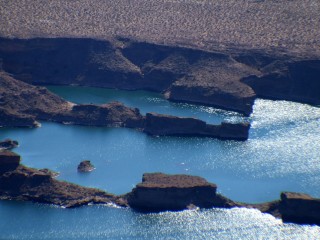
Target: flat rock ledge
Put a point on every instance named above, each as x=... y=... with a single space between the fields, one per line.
x=157 y=192
x=162 y=192
x=166 y=125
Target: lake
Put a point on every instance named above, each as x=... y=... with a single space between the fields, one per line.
x=282 y=154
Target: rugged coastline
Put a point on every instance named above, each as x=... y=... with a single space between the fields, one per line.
x=224 y=79
x=24 y=105
x=157 y=192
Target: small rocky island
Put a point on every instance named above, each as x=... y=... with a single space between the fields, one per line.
x=163 y=192
x=85 y=166
x=157 y=192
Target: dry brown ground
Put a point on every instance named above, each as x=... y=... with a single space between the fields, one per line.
x=288 y=25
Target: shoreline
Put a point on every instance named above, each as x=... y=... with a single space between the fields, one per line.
x=157 y=192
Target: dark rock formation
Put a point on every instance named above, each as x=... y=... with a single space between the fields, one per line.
x=295 y=81
x=85 y=166
x=299 y=208
x=162 y=192
x=18 y=182
x=22 y=104
x=49 y=172
x=8 y=161
x=10 y=118
x=158 y=124
x=37 y=103
x=228 y=79
x=235 y=131
x=8 y=144
x=111 y=114
x=157 y=192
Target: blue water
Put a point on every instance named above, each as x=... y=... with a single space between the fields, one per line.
x=282 y=153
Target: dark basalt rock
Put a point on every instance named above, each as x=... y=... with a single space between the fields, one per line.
x=8 y=144
x=159 y=124
x=299 y=208
x=157 y=192
x=235 y=131
x=85 y=166
x=47 y=171
x=111 y=114
x=38 y=103
x=18 y=182
x=163 y=192
x=227 y=79
x=8 y=161
x=295 y=81
x=10 y=118
x=21 y=104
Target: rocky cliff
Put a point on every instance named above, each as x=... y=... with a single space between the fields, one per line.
x=21 y=104
x=163 y=192
x=225 y=79
x=299 y=208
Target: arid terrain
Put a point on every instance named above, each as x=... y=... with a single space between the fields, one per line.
x=285 y=26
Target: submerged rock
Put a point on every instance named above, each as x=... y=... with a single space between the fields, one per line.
x=85 y=166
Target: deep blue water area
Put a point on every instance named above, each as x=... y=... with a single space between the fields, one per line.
x=282 y=154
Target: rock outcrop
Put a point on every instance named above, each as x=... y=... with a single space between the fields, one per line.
x=8 y=161
x=157 y=192
x=22 y=104
x=295 y=81
x=10 y=118
x=162 y=192
x=37 y=103
x=8 y=144
x=85 y=166
x=227 y=79
x=166 y=125
x=18 y=182
x=299 y=208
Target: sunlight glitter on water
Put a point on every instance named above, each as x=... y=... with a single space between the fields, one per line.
x=282 y=154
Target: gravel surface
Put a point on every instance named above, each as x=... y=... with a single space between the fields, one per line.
x=288 y=25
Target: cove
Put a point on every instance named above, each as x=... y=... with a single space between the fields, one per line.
x=282 y=154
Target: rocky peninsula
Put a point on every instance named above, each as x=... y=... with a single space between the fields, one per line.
x=18 y=182
x=24 y=105
x=157 y=192
x=166 y=125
